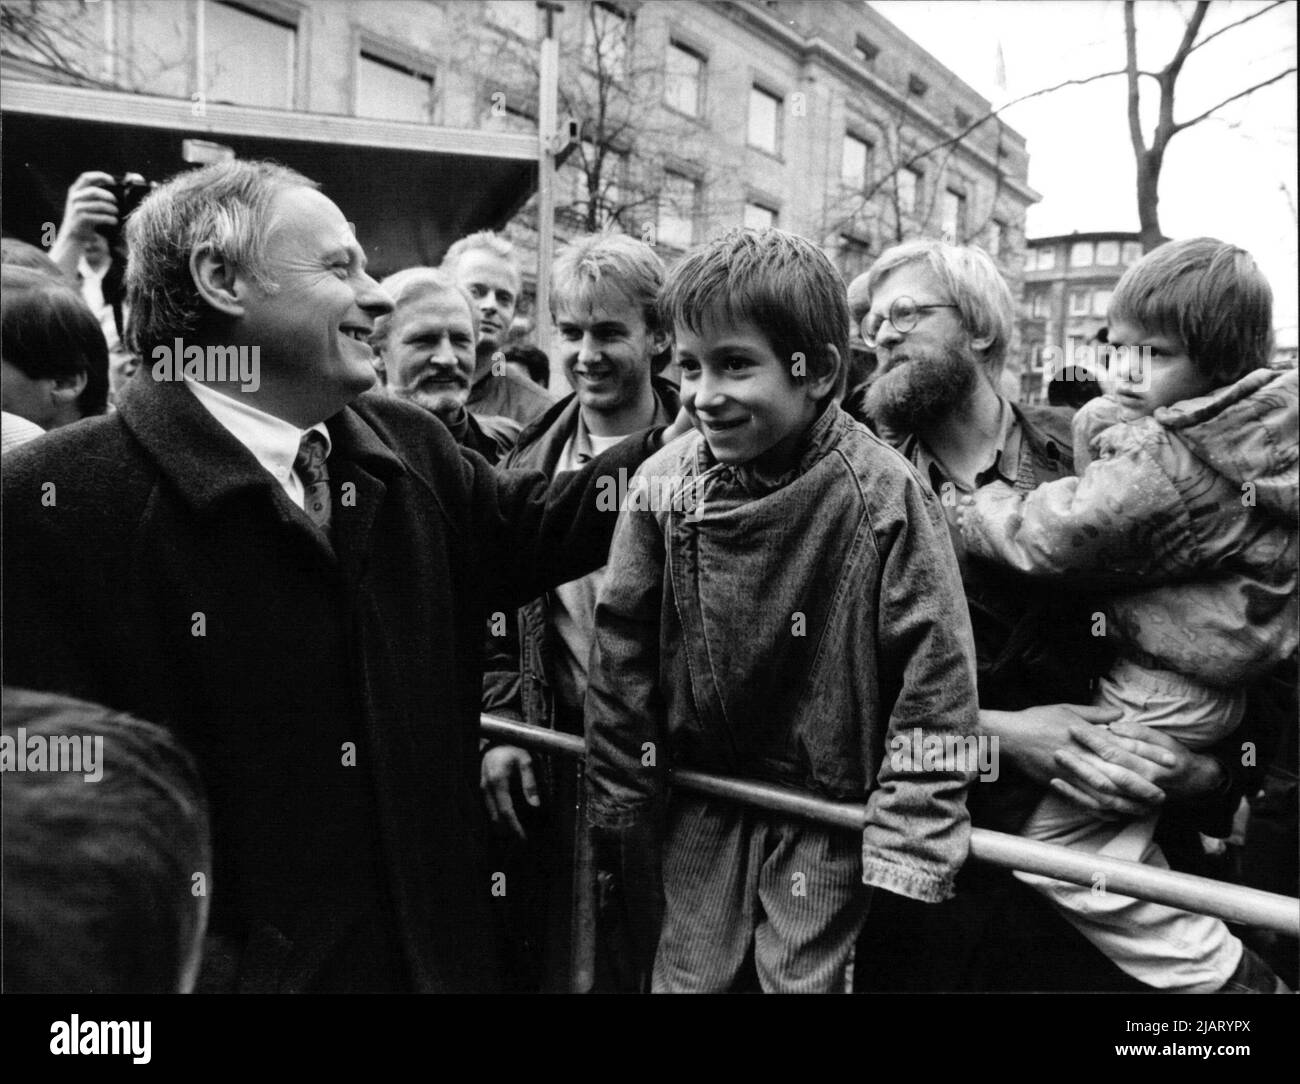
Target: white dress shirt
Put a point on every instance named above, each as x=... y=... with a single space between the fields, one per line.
x=273 y=441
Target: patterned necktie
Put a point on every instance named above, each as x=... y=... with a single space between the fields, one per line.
x=310 y=465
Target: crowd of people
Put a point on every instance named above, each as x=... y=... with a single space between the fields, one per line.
x=311 y=583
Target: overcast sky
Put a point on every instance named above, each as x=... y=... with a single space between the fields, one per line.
x=1233 y=176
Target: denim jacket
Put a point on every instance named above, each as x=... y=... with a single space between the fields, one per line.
x=787 y=630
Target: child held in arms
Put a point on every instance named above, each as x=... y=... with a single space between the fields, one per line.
x=1185 y=508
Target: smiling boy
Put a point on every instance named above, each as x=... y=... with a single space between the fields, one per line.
x=791 y=607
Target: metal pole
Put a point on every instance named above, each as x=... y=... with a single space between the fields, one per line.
x=547 y=109
x=201 y=56
x=1233 y=903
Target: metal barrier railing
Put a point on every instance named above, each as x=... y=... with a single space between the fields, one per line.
x=1232 y=903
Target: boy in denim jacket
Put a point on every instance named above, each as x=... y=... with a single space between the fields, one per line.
x=783 y=605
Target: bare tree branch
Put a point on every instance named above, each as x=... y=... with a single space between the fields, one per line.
x=1240 y=94
x=1134 y=90
x=1190 y=31
x=1233 y=25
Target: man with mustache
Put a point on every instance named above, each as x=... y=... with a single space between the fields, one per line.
x=483 y=264
x=425 y=354
x=939 y=318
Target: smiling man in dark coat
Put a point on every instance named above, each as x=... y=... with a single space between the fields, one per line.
x=293 y=576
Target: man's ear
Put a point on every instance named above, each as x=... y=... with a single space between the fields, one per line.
x=65 y=389
x=981 y=343
x=217 y=280
x=660 y=340
x=822 y=384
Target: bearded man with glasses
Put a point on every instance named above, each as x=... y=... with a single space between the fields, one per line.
x=939 y=318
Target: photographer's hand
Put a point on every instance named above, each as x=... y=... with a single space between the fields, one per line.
x=90 y=206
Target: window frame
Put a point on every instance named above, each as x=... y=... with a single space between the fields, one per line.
x=692 y=216
x=868 y=158
x=865 y=50
x=762 y=205
x=586 y=51
x=960 y=225
x=676 y=41
x=778 y=100
x=367 y=45
x=285 y=13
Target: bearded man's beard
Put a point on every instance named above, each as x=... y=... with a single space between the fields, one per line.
x=922 y=390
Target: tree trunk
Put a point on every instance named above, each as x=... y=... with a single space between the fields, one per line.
x=1148 y=196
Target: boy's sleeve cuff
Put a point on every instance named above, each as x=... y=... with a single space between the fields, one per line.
x=907 y=881
x=613 y=817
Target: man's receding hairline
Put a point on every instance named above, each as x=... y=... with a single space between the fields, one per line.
x=423 y=290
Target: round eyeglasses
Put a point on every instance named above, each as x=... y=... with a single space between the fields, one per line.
x=904 y=314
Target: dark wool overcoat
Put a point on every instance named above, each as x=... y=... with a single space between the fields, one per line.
x=328 y=689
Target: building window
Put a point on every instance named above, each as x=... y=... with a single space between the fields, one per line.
x=1132 y=252
x=1079 y=302
x=1046 y=259
x=250 y=58
x=517 y=16
x=1107 y=253
x=855 y=257
x=962 y=119
x=997 y=238
x=1081 y=254
x=1042 y=306
x=865 y=50
x=764 y=119
x=390 y=91
x=677 y=207
x=952 y=222
x=758 y=217
x=916 y=85
x=1031 y=259
x=909 y=185
x=855 y=167
x=605 y=32
x=684 y=80
x=1101 y=302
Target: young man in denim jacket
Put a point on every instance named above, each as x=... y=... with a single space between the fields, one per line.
x=781 y=604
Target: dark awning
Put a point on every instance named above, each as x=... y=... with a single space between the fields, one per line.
x=410 y=189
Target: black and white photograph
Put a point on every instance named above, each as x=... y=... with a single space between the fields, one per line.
x=632 y=497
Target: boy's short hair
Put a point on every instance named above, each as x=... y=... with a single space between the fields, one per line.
x=611 y=261
x=973 y=283
x=49 y=332
x=1209 y=296
x=782 y=284
x=100 y=892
